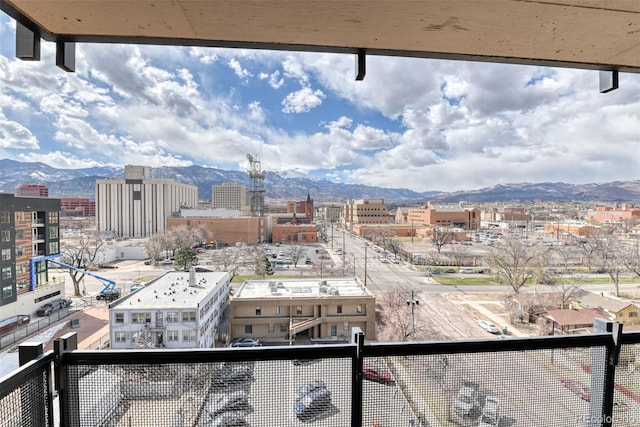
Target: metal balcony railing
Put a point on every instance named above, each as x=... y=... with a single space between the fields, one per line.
x=585 y=380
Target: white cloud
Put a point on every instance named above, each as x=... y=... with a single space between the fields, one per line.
x=302 y=101
x=14 y=135
x=242 y=73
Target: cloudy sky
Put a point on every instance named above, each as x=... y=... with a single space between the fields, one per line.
x=412 y=123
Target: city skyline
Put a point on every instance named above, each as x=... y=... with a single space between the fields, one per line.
x=425 y=125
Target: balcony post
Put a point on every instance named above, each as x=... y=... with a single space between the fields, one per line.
x=357 y=338
x=603 y=369
x=34 y=410
x=69 y=408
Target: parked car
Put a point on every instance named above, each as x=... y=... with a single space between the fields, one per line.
x=109 y=294
x=450 y=270
x=373 y=373
x=232 y=375
x=229 y=402
x=9 y=324
x=50 y=307
x=166 y=262
x=581 y=389
x=308 y=261
x=467 y=271
x=310 y=387
x=488 y=326
x=246 y=342
x=467 y=400
x=229 y=419
x=313 y=403
x=490 y=416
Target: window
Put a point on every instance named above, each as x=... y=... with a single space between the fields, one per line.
x=53 y=247
x=140 y=317
x=298 y=310
x=5 y=235
x=53 y=217
x=121 y=337
x=172 y=317
x=20 y=250
x=339 y=309
x=248 y=329
x=345 y=327
x=21 y=284
x=4 y=217
x=172 y=335
x=271 y=328
x=188 y=335
x=21 y=268
x=53 y=232
x=6 y=254
x=189 y=316
x=278 y=310
x=7 y=292
x=633 y=314
x=118 y=317
x=258 y=311
x=359 y=308
x=6 y=273
x=334 y=330
x=283 y=328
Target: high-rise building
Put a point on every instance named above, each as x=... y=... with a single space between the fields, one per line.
x=228 y=196
x=139 y=206
x=29 y=231
x=32 y=190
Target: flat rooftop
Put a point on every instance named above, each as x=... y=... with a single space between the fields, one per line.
x=302 y=288
x=590 y=34
x=172 y=290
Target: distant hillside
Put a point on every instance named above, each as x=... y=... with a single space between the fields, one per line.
x=287 y=186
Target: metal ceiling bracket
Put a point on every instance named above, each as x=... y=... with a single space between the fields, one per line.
x=66 y=56
x=608 y=80
x=27 y=43
x=361 y=65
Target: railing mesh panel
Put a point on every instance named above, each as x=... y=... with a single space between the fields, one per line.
x=262 y=393
x=626 y=395
x=523 y=388
x=27 y=405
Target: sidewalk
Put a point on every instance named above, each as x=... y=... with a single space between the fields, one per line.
x=92 y=331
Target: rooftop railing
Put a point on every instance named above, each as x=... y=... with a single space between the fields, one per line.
x=579 y=380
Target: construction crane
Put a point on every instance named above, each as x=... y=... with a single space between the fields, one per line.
x=257 y=190
x=109 y=292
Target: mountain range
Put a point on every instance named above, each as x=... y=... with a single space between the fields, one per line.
x=282 y=186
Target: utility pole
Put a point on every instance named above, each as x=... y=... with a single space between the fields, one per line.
x=365 y=265
x=413 y=302
x=344 y=252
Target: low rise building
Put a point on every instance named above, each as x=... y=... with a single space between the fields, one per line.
x=176 y=310
x=323 y=309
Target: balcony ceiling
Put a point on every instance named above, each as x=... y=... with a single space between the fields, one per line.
x=591 y=34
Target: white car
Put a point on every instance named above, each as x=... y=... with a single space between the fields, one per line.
x=488 y=326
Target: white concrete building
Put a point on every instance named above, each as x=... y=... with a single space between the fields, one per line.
x=176 y=310
x=138 y=206
x=229 y=195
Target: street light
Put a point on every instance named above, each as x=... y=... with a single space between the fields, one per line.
x=413 y=302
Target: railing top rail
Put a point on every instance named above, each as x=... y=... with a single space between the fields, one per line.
x=154 y=356
x=20 y=376
x=492 y=345
x=630 y=337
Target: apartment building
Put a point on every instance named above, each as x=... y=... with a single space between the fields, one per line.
x=228 y=195
x=177 y=310
x=614 y=214
x=323 y=309
x=29 y=231
x=332 y=213
x=76 y=206
x=365 y=211
x=445 y=215
x=139 y=206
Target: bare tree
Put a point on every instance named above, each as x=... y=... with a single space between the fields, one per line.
x=630 y=256
x=295 y=253
x=611 y=255
x=440 y=237
x=230 y=261
x=459 y=254
x=82 y=253
x=154 y=246
x=395 y=319
x=513 y=261
x=589 y=247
